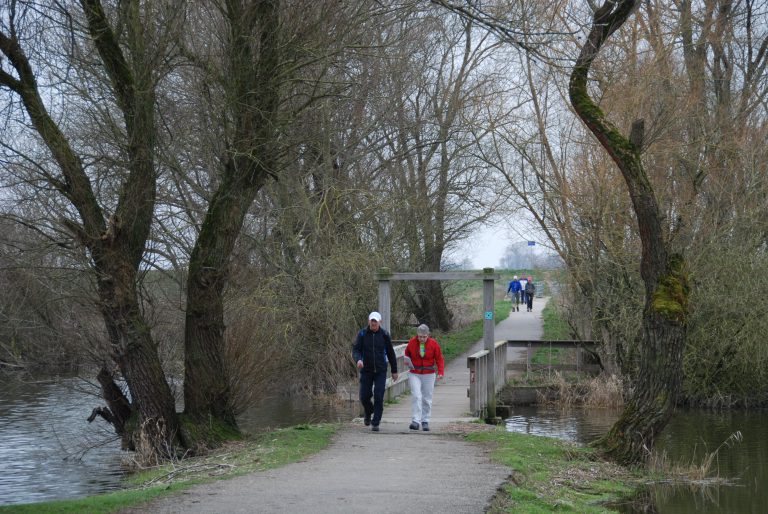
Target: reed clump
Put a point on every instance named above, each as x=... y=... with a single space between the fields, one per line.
x=699 y=470
x=602 y=391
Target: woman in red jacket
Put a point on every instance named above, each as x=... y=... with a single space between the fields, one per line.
x=423 y=358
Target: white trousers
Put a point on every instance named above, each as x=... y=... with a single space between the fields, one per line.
x=422 y=387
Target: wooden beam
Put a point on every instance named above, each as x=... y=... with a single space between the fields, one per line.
x=512 y=343
x=441 y=275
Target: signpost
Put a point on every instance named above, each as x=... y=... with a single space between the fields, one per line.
x=531 y=244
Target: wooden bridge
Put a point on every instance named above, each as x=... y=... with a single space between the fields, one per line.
x=487 y=367
x=504 y=362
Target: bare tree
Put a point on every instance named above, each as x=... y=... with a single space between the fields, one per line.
x=282 y=106
x=443 y=87
x=253 y=73
x=113 y=234
x=657 y=388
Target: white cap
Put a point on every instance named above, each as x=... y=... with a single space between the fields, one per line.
x=374 y=315
x=514 y=278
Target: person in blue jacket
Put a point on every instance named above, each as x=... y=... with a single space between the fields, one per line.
x=514 y=290
x=373 y=352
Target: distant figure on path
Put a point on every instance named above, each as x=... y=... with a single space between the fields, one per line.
x=423 y=357
x=530 y=291
x=372 y=352
x=514 y=290
x=523 y=298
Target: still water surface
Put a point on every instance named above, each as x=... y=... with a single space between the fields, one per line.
x=43 y=432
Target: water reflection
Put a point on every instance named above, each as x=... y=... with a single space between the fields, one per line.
x=574 y=425
x=689 y=437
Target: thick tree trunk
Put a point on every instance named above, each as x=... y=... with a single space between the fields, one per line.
x=254 y=79
x=662 y=342
x=654 y=394
x=116 y=246
x=428 y=304
x=207 y=392
x=156 y=430
x=118 y=410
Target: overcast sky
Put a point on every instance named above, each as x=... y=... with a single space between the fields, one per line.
x=487 y=247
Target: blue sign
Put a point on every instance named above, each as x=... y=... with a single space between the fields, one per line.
x=531 y=243
x=488 y=314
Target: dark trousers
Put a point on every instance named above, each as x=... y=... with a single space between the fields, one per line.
x=529 y=301
x=372 y=385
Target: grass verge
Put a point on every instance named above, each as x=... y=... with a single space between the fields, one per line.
x=554 y=476
x=258 y=453
x=554 y=328
x=455 y=343
x=554 y=325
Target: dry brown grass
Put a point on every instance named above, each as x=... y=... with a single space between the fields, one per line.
x=603 y=391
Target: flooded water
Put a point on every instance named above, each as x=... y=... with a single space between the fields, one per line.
x=689 y=437
x=49 y=451
x=44 y=436
x=282 y=411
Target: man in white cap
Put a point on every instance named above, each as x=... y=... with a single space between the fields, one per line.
x=372 y=352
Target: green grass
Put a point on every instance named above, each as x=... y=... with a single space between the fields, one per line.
x=554 y=476
x=549 y=356
x=554 y=326
x=455 y=343
x=554 y=329
x=101 y=504
x=261 y=452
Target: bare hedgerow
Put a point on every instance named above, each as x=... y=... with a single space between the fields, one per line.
x=297 y=327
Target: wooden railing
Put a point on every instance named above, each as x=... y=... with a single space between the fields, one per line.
x=531 y=346
x=478 y=376
x=395 y=389
x=477 y=364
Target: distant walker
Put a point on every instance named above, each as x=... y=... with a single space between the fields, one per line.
x=530 y=292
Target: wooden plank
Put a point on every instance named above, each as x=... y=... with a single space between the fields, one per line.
x=443 y=275
x=550 y=344
x=477 y=355
x=523 y=366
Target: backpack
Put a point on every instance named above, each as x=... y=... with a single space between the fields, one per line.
x=530 y=288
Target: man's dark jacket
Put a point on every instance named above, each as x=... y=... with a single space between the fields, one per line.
x=375 y=350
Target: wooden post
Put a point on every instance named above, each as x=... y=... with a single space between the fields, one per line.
x=528 y=361
x=383 y=276
x=485 y=372
x=578 y=359
x=488 y=341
